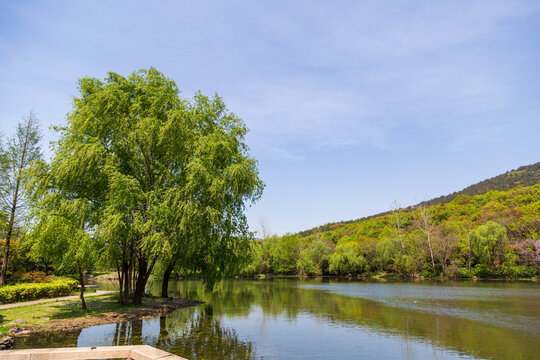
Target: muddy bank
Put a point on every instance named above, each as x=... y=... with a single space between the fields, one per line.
x=151 y=308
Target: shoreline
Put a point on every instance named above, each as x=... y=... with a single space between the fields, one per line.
x=150 y=308
x=379 y=277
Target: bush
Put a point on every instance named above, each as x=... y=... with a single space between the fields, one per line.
x=35 y=276
x=427 y=273
x=518 y=271
x=31 y=291
x=484 y=271
x=314 y=259
x=464 y=272
x=347 y=259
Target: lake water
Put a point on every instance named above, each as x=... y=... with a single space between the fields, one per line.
x=331 y=319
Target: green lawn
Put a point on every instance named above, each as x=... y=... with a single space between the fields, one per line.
x=67 y=309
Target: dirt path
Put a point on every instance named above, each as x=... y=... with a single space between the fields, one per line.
x=72 y=297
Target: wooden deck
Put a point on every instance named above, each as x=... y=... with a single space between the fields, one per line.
x=139 y=352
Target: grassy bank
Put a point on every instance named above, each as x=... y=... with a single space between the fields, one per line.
x=59 y=310
x=67 y=315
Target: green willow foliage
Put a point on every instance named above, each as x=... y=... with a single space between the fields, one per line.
x=150 y=178
x=483 y=235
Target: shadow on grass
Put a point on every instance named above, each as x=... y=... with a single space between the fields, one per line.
x=99 y=305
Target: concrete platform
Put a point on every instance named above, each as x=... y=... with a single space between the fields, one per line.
x=139 y=352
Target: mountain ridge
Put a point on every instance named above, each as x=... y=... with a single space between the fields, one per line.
x=525 y=175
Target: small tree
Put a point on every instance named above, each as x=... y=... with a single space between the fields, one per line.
x=61 y=238
x=314 y=259
x=397 y=222
x=20 y=152
x=347 y=259
x=387 y=249
x=465 y=243
x=488 y=242
x=529 y=252
x=424 y=222
x=445 y=243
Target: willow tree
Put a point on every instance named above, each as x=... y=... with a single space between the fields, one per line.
x=166 y=176
x=204 y=222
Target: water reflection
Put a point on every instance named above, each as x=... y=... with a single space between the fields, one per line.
x=313 y=319
x=482 y=320
x=206 y=335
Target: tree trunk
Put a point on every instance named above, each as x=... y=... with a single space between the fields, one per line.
x=431 y=252
x=81 y=282
x=444 y=264
x=166 y=277
x=144 y=270
x=469 y=257
x=126 y=280
x=120 y=279
x=140 y=285
x=398 y=227
x=424 y=224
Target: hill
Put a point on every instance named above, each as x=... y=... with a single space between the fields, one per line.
x=489 y=229
x=523 y=176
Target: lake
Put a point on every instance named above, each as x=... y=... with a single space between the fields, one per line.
x=334 y=319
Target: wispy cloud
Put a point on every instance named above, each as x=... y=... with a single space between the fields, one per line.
x=400 y=67
x=309 y=114
x=349 y=84
x=479 y=136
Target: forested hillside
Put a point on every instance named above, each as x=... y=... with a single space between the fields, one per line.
x=490 y=229
x=523 y=176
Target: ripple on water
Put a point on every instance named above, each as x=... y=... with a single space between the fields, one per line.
x=488 y=305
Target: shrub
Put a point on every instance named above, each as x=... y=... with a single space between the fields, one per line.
x=35 y=276
x=427 y=273
x=464 y=272
x=484 y=271
x=518 y=271
x=33 y=291
x=347 y=259
x=314 y=258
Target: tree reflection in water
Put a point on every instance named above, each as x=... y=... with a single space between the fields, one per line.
x=202 y=336
x=191 y=333
x=195 y=335
x=247 y=319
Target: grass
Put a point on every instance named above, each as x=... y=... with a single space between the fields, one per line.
x=99 y=273
x=67 y=309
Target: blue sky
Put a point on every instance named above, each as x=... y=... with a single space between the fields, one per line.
x=350 y=104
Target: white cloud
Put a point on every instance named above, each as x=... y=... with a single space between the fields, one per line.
x=376 y=68
x=479 y=136
x=322 y=74
x=307 y=114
